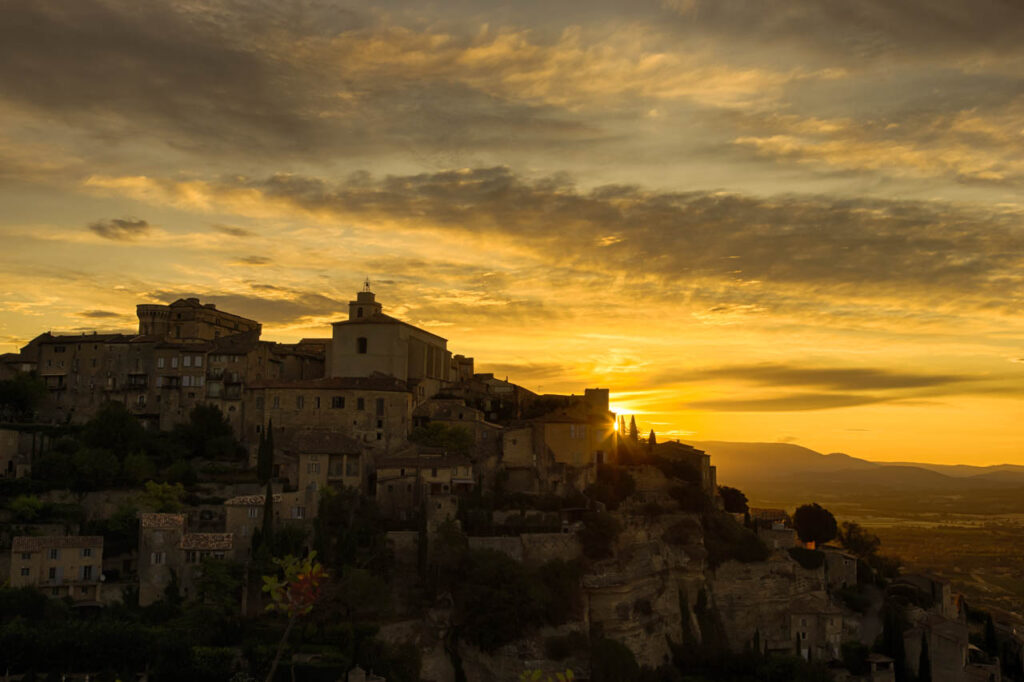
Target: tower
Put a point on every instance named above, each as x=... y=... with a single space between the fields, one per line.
x=365 y=304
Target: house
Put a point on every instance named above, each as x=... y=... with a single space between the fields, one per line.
x=405 y=481
x=947 y=647
x=169 y=553
x=840 y=567
x=697 y=460
x=817 y=625
x=243 y=515
x=59 y=565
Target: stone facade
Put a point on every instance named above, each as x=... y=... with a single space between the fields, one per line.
x=59 y=565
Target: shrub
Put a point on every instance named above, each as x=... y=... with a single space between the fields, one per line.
x=726 y=539
x=598 y=535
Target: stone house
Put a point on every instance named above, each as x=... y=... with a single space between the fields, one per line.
x=698 y=460
x=817 y=625
x=167 y=551
x=404 y=482
x=840 y=567
x=947 y=647
x=59 y=565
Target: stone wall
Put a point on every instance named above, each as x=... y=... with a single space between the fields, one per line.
x=507 y=545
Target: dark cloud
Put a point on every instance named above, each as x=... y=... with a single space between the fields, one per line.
x=120 y=229
x=799 y=402
x=253 y=81
x=233 y=231
x=836 y=378
x=99 y=314
x=529 y=371
x=290 y=307
x=826 y=246
x=853 y=32
x=254 y=260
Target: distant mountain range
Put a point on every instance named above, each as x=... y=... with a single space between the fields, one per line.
x=784 y=471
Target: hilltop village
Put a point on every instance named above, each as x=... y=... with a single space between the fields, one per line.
x=470 y=529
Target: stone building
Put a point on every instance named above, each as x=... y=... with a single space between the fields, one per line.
x=698 y=460
x=59 y=565
x=188 y=319
x=375 y=411
x=406 y=481
x=817 y=625
x=168 y=552
x=840 y=567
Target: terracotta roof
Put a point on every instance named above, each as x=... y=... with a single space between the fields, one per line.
x=157 y=521
x=250 y=500
x=377 y=382
x=43 y=542
x=207 y=541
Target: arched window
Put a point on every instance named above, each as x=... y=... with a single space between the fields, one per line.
x=361 y=345
x=359 y=312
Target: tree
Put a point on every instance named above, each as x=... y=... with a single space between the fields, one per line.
x=137 y=468
x=859 y=541
x=116 y=429
x=94 y=468
x=267 y=533
x=293 y=594
x=26 y=508
x=613 y=661
x=454 y=439
x=264 y=460
x=162 y=497
x=814 y=523
x=991 y=642
x=207 y=434
x=652 y=440
x=734 y=499
x=21 y=395
x=634 y=434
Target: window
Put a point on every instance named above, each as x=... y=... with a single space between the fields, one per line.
x=380 y=406
x=351 y=466
x=25 y=556
x=360 y=404
x=380 y=436
x=313 y=468
x=199 y=361
x=174 y=362
x=191 y=557
x=433 y=472
x=86 y=572
x=156 y=558
x=55 y=591
x=316 y=403
x=218 y=555
x=380 y=423
x=160 y=363
x=25 y=572
x=298 y=512
x=83 y=590
x=87 y=551
x=338 y=402
x=52 y=574
x=254 y=512
x=359 y=312
x=259 y=403
x=186 y=361
x=54 y=554
x=59 y=349
x=300 y=401
x=361 y=345
x=277 y=402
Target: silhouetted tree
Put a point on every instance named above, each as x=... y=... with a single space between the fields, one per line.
x=734 y=499
x=814 y=523
x=858 y=541
x=652 y=440
x=267 y=533
x=264 y=460
x=634 y=435
x=991 y=643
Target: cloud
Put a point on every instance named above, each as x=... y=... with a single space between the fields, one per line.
x=233 y=231
x=286 y=307
x=758 y=253
x=100 y=314
x=797 y=402
x=836 y=378
x=254 y=260
x=120 y=229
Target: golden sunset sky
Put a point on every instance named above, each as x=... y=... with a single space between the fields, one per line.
x=797 y=221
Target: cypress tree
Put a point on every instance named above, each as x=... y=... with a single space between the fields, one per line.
x=991 y=643
x=264 y=460
x=652 y=440
x=634 y=435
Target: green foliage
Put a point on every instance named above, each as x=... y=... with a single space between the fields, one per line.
x=691 y=498
x=854 y=598
x=814 y=523
x=735 y=501
x=614 y=484
x=612 y=661
x=95 y=468
x=137 y=468
x=454 y=439
x=265 y=455
x=219 y=584
x=811 y=559
x=350 y=531
x=162 y=497
x=115 y=429
x=598 y=535
x=393 y=662
x=26 y=508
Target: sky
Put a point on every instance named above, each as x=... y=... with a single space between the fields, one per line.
x=798 y=221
